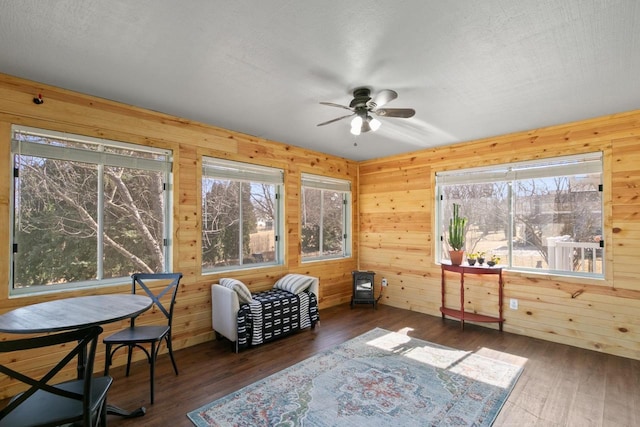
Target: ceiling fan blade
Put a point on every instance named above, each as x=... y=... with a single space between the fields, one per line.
x=335 y=120
x=331 y=104
x=384 y=96
x=403 y=113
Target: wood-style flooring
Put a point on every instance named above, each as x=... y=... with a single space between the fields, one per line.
x=560 y=385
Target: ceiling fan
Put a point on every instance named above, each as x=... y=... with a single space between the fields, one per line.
x=363 y=105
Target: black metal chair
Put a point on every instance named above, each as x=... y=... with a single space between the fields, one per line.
x=139 y=335
x=48 y=404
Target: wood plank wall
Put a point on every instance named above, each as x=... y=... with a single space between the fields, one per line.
x=72 y=112
x=393 y=205
x=396 y=241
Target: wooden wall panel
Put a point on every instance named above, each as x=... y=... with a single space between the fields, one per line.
x=67 y=111
x=393 y=209
x=397 y=199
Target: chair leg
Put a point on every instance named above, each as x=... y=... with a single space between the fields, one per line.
x=152 y=367
x=130 y=348
x=173 y=361
x=107 y=359
x=103 y=414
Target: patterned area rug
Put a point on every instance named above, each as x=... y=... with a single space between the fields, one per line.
x=380 y=378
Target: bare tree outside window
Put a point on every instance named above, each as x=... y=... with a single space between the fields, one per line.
x=551 y=221
x=561 y=219
x=239 y=217
x=324 y=220
x=85 y=221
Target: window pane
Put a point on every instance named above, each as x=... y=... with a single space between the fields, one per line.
x=543 y=215
x=487 y=208
x=86 y=209
x=260 y=221
x=220 y=223
x=240 y=214
x=248 y=225
x=332 y=223
x=323 y=223
x=55 y=222
x=325 y=217
x=133 y=222
x=311 y=215
x=558 y=223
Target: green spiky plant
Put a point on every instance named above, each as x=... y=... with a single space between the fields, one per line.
x=457 y=225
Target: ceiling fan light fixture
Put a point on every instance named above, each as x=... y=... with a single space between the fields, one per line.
x=365 y=126
x=362 y=105
x=356 y=125
x=374 y=123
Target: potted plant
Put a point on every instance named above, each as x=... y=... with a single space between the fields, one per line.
x=457 y=226
x=471 y=258
x=481 y=257
x=493 y=261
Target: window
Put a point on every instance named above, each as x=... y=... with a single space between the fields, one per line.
x=542 y=215
x=325 y=213
x=86 y=211
x=241 y=220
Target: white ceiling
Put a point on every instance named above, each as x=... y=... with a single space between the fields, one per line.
x=470 y=69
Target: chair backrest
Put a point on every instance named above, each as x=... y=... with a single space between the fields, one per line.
x=166 y=298
x=81 y=347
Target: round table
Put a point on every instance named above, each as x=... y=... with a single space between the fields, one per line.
x=73 y=313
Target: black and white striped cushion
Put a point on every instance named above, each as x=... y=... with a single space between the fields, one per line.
x=244 y=294
x=294 y=283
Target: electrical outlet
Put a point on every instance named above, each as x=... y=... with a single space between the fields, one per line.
x=513 y=304
x=384 y=282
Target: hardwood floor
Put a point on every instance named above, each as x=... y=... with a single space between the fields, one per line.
x=560 y=385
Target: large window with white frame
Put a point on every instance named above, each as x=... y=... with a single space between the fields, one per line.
x=86 y=211
x=325 y=211
x=543 y=215
x=241 y=215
